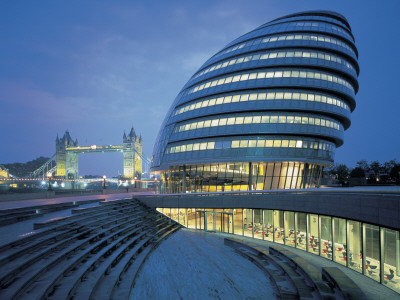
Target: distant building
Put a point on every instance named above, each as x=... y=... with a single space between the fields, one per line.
x=266 y=112
x=3 y=172
x=132 y=160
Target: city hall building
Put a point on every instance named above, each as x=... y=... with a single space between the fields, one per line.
x=261 y=118
x=265 y=112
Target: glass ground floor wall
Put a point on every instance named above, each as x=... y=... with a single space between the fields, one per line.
x=368 y=249
x=242 y=176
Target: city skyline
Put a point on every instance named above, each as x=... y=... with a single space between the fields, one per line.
x=97 y=69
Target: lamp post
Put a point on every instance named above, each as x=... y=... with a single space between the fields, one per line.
x=49 y=178
x=104 y=182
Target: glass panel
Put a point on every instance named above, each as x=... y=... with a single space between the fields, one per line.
x=371 y=251
x=268 y=225
x=213 y=220
x=354 y=243
x=339 y=240
x=200 y=219
x=238 y=221
x=313 y=235
x=278 y=226
x=258 y=228
x=301 y=230
x=175 y=214
x=391 y=259
x=191 y=218
x=290 y=239
x=167 y=212
x=248 y=222
x=326 y=236
x=183 y=216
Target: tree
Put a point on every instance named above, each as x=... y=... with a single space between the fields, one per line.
x=395 y=173
x=341 y=172
x=363 y=164
x=357 y=173
x=376 y=167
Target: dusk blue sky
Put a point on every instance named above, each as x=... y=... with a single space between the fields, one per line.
x=98 y=67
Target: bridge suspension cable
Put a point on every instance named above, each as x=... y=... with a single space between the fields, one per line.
x=48 y=167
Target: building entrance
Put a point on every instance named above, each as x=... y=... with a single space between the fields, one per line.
x=218 y=221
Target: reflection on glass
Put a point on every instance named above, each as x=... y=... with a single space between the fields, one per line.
x=391 y=259
x=313 y=236
x=339 y=241
x=355 y=245
x=268 y=225
x=371 y=251
x=199 y=219
x=191 y=218
x=248 y=222
x=258 y=224
x=183 y=216
x=301 y=230
x=238 y=221
x=290 y=236
x=326 y=236
x=278 y=227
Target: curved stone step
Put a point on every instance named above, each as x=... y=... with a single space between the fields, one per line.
x=20 y=266
x=307 y=269
x=126 y=283
x=77 y=272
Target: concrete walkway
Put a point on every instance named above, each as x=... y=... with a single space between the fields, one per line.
x=197 y=265
x=35 y=202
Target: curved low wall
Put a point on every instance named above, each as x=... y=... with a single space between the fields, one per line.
x=358 y=229
x=378 y=207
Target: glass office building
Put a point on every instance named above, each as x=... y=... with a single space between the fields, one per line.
x=265 y=112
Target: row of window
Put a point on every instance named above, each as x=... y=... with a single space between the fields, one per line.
x=278 y=54
x=273 y=74
x=259 y=120
x=268 y=143
x=302 y=18
x=328 y=26
x=312 y=97
x=289 y=37
x=239 y=176
x=365 y=248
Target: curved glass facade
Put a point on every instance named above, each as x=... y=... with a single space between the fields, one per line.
x=265 y=112
x=366 y=248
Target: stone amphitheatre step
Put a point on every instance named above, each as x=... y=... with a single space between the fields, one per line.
x=75 y=256
x=85 y=288
x=347 y=287
x=15 y=215
x=104 y=291
x=308 y=269
x=46 y=240
x=283 y=286
x=77 y=272
x=305 y=288
x=89 y=214
x=20 y=286
x=127 y=280
x=16 y=267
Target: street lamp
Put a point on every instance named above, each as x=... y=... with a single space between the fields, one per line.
x=104 y=182
x=49 y=177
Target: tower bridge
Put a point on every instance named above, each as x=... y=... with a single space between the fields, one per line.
x=68 y=150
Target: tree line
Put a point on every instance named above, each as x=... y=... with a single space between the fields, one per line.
x=374 y=172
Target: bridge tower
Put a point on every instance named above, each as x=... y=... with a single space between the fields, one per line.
x=67 y=161
x=132 y=161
